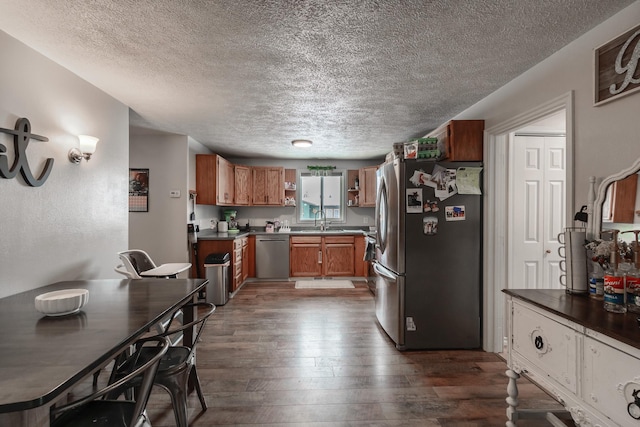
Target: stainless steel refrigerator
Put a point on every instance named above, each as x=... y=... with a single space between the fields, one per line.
x=428 y=261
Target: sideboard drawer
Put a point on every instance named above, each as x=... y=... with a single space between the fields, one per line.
x=546 y=344
x=610 y=377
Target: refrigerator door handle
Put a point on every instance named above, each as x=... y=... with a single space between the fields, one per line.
x=384 y=272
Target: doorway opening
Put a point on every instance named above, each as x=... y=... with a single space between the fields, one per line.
x=537 y=203
x=499 y=215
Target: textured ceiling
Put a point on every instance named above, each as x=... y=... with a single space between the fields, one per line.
x=245 y=77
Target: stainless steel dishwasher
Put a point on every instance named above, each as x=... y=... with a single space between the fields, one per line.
x=272 y=256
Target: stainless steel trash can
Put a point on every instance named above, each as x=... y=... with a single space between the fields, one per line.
x=217 y=273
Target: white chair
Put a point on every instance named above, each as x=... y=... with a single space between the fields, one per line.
x=137 y=264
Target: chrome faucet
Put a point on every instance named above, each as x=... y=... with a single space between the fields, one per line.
x=323 y=225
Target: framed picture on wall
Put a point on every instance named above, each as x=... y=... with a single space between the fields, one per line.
x=138 y=190
x=616 y=67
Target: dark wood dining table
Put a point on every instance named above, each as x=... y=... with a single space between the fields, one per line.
x=42 y=357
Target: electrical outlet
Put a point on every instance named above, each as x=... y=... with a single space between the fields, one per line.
x=411 y=325
x=365 y=220
x=174 y=193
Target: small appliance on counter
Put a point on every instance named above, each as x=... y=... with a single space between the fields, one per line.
x=230 y=217
x=223 y=227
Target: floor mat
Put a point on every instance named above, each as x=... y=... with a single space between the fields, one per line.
x=323 y=284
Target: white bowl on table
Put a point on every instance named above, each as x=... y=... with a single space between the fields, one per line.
x=63 y=302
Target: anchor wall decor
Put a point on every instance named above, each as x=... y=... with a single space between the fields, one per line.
x=21 y=136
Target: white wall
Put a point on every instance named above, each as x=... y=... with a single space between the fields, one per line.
x=607 y=137
x=72 y=225
x=161 y=232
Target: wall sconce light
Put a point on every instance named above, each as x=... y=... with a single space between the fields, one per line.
x=87 y=148
x=301 y=143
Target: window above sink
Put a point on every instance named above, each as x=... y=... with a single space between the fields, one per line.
x=321 y=197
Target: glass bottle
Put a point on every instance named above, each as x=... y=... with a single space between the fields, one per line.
x=614 y=292
x=596 y=282
x=632 y=282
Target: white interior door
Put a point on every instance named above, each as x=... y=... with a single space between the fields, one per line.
x=538 y=194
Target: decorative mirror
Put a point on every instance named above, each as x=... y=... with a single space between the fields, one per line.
x=617 y=202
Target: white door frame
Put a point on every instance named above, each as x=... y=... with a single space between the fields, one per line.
x=496 y=230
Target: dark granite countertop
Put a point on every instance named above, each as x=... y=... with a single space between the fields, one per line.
x=583 y=310
x=214 y=235
x=207 y=234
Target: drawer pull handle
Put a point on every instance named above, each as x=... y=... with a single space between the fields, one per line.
x=538 y=342
x=633 y=409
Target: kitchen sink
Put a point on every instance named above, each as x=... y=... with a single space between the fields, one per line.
x=316 y=231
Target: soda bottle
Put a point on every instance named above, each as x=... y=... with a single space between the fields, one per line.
x=614 y=292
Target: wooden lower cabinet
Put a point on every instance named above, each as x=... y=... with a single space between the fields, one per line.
x=305 y=256
x=245 y=259
x=240 y=260
x=360 y=267
x=315 y=256
x=251 y=258
x=338 y=256
x=236 y=249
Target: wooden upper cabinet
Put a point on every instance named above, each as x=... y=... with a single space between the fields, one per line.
x=462 y=139
x=242 y=185
x=214 y=180
x=226 y=182
x=268 y=185
x=368 y=186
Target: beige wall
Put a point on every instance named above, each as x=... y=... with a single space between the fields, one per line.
x=71 y=226
x=161 y=231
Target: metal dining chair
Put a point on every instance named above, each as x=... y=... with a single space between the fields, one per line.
x=93 y=411
x=177 y=368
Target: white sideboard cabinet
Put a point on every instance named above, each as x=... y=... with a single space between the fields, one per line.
x=585 y=357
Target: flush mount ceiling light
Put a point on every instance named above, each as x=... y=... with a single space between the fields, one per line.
x=301 y=143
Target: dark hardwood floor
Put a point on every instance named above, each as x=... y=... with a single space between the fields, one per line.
x=279 y=356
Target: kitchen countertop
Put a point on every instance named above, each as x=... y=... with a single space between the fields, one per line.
x=213 y=235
